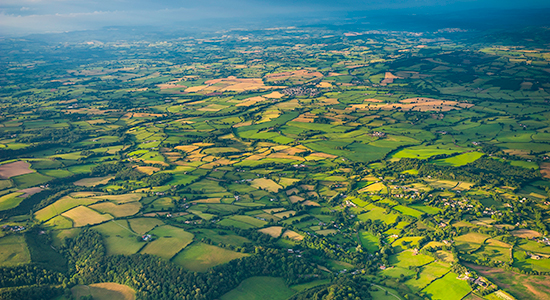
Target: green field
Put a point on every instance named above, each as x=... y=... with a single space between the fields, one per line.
x=268 y=288
x=459 y=160
x=61 y=206
x=143 y=225
x=4 y=184
x=448 y=287
x=425 y=152
x=169 y=242
x=118 y=238
x=14 y=251
x=59 y=222
x=429 y=273
x=377 y=213
x=369 y=241
x=407 y=259
x=10 y=201
x=30 y=180
x=199 y=257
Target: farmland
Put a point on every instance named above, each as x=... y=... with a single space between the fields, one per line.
x=200 y=257
x=260 y=288
x=325 y=161
x=104 y=291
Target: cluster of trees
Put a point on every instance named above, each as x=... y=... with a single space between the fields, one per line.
x=64 y=136
x=345 y=288
x=154 y=278
x=482 y=171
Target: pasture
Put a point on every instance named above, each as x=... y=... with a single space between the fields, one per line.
x=199 y=257
x=29 y=180
x=378 y=213
x=459 y=160
x=266 y=184
x=407 y=259
x=10 y=200
x=170 y=240
x=14 y=251
x=425 y=152
x=59 y=222
x=93 y=181
x=448 y=287
x=267 y=288
x=144 y=225
x=82 y=216
x=369 y=241
x=104 y=291
x=62 y=205
x=117 y=210
x=274 y=231
x=119 y=238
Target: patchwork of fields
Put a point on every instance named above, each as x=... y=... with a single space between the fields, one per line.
x=370 y=171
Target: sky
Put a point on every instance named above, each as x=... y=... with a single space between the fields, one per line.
x=20 y=17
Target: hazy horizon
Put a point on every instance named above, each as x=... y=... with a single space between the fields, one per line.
x=46 y=16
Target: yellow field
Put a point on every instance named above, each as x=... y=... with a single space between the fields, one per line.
x=118 y=211
x=121 y=199
x=388 y=78
x=287 y=181
x=433 y=244
x=104 y=291
x=525 y=233
x=293 y=235
x=84 y=194
x=61 y=206
x=285 y=214
x=497 y=243
x=322 y=155
x=373 y=188
x=187 y=148
x=324 y=84
x=472 y=237
x=147 y=170
x=266 y=184
x=274 y=231
x=295 y=199
x=209 y=200
x=274 y=95
x=305 y=118
x=285 y=156
x=251 y=101
x=88 y=182
x=278 y=209
x=83 y=216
